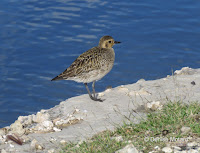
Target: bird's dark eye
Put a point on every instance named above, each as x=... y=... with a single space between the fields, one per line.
x=109 y=41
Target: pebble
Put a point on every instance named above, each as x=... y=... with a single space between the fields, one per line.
x=79 y=143
x=167 y=149
x=191 y=144
x=35 y=145
x=63 y=142
x=108 y=90
x=56 y=129
x=192 y=151
x=38 y=147
x=177 y=151
x=101 y=94
x=51 y=150
x=128 y=149
x=185 y=130
x=157 y=147
x=118 y=138
x=11 y=145
x=3 y=151
x=53 y=139
x=154 y=105
x=176 y=148
x=12 y=150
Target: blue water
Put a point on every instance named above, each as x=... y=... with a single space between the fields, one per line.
x=40 y=39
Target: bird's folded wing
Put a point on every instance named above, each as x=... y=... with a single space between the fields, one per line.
x=86 y=62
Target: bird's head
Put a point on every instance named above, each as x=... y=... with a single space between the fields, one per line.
x=107 y=42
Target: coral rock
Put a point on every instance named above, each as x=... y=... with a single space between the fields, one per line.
x=17 y=128
x=41 y=117
x=185 y=71
x=25 y=120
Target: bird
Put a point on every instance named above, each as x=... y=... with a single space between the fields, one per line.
x=92 y=65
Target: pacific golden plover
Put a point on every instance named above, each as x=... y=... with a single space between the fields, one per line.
x=92 y=65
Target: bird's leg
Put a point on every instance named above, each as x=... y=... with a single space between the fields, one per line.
x=88 y=90
x=93 y=88
x=93 y=98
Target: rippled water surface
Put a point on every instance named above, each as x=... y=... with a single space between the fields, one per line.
x=40 y=39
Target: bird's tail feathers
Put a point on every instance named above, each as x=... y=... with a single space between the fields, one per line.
x=58 y=78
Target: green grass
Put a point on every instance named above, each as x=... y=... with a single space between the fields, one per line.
x=163 y=123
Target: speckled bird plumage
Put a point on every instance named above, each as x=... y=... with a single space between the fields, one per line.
x=93 y=64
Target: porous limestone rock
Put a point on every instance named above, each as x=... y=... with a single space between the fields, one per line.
x=185 y=71
x=71 y=119
x=3 y=138
x=3 y=131
x=26 y=120
x=41 y=117
x=17 y=128
x=45 y=126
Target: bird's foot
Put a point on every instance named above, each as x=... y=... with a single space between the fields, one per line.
x=96 y=99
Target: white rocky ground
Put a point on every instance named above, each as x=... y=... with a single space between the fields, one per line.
x=79 y=118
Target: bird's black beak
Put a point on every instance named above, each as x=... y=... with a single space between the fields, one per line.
x=117 y=42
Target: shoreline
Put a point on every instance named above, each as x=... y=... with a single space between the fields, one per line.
x=79 y=118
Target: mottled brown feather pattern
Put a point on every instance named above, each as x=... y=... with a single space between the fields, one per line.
x=90 y=60
x=92 y=65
